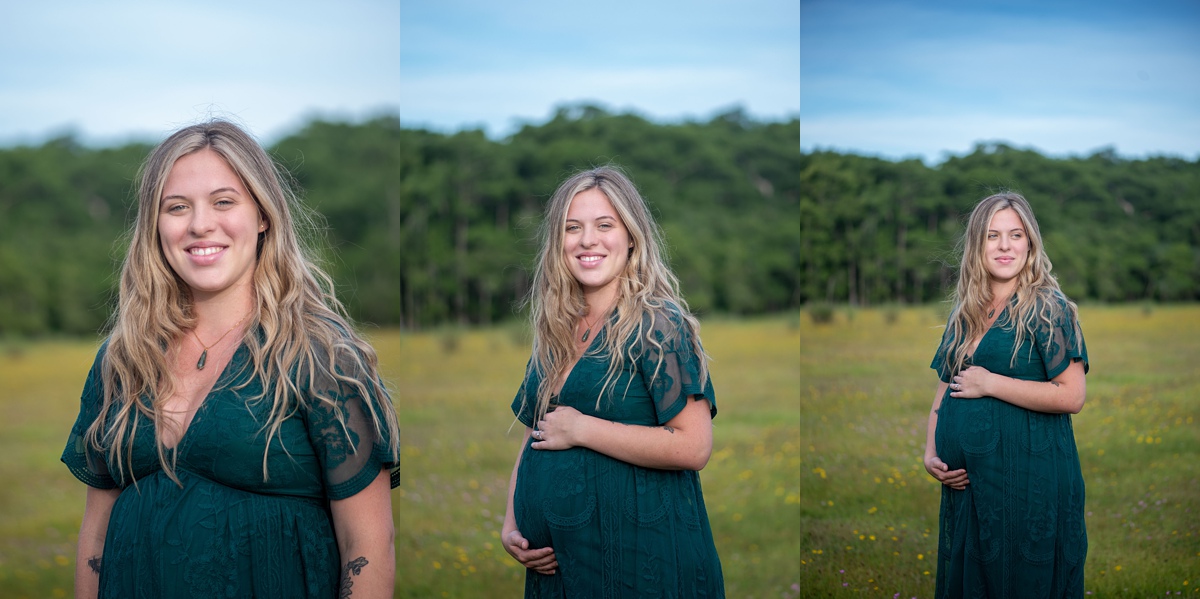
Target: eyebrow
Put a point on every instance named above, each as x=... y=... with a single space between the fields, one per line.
x=210 y=194
x=576 y=220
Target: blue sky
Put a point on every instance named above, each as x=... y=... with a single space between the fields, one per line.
x=495 y=65
x=901 y=78
x=121 y=69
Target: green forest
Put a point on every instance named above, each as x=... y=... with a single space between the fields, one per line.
x=876 y=231
x=423 y=228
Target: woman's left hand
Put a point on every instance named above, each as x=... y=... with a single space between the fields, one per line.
x=970 y=383
x=559 y=429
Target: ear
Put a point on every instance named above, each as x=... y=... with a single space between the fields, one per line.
x=263 y=224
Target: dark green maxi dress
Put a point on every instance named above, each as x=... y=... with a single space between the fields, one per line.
x=227 y=532
x=619 y=530
x=1017 y=530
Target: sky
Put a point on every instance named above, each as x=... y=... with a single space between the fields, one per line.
x=498 y=65
x=114 y=71
x=929 y=79
x=118 y=70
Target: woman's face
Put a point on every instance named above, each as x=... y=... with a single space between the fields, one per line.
x=596 y=243
x=1007 y=247
x=208 y=225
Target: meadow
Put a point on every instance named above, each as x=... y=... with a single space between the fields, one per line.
x=452 y=389
x=868 y=510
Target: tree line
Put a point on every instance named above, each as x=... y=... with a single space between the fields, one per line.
x=875 y=231
x=422 y=228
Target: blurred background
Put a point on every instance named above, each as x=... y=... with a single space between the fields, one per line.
x=427 y=136
x=913 y=111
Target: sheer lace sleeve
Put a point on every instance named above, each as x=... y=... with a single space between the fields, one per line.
x=351 y=447
x=671 y=368
x=525 y=403
x=939 y=358
x=1060 y=342
x=86 y=463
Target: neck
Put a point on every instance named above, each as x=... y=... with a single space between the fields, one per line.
x=598 y=302
x=1003 y=290
x=216 y=314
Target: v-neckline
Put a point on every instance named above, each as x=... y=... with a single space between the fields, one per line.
x=183 y=436
x=975 y=350
x=567 y=379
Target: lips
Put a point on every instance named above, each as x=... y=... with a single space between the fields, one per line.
x=590 y=260
x=205 y=253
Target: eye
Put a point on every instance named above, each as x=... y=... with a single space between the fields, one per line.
x=174 y=208
x=605 y=226
x=572 y=228
x=991 y=235
x=223 y=203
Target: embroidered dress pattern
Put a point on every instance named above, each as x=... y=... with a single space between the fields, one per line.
x=619 y=530
x=1017 y=529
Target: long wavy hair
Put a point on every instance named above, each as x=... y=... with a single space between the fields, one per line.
x=298 y=333
x=647 y=289
x=1039 y=299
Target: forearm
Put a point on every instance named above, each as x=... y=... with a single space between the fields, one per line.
x=510 y=519
x=684 y=443
x=87 y=567
x=369 y=570
x=90 y=547
x=1058 y=396
x=366 y=539
x=931 y=428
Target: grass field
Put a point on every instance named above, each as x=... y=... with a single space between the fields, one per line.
x=453 y=390
x=868 y=523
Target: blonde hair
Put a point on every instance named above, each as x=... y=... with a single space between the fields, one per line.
x=298 y=334
x=647 y=289
x=1038 y=295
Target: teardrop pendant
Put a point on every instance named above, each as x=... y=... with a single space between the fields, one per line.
x=203 y=358
x=585 y=335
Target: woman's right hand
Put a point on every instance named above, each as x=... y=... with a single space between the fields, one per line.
x=955 y=479
x=541 y=560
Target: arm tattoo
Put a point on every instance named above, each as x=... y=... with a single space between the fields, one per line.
x=94 y=564
x=354 y=566
x=669 y=429
x=1056 y=383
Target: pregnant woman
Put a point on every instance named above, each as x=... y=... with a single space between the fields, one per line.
x=605 y=498
x=233 y=434
x=1012 y=363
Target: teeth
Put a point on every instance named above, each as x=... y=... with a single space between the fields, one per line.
x=592 y=258
x=204 y=251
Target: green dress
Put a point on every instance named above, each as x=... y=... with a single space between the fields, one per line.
x=1017 y=530
x=619 y=530
x=227 y=532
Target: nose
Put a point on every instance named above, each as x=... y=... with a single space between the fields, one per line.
x=588 y=237
x=203 y=220
x=1005 y=242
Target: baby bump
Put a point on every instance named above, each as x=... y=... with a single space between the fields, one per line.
x=966 y=429
x=553 y=492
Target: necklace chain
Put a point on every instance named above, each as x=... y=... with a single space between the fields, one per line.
x=588 y=332
x=204 y=354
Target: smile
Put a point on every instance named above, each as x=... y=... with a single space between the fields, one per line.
x=205 y=251
x=590 y=259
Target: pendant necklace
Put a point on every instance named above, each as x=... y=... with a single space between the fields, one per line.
x=588 y=332
x=204 y=354
x=992 y=312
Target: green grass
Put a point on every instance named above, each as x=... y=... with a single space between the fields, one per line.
x=453 y=389
x=459 y=452
x=868 y=523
